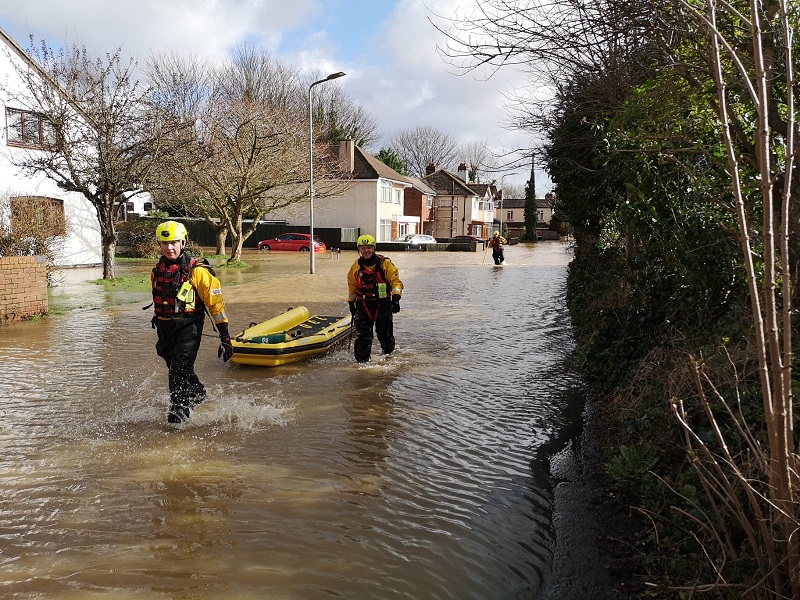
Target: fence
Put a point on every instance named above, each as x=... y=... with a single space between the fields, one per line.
x=202 y=234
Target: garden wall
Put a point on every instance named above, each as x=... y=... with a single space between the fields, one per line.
x=23 y=287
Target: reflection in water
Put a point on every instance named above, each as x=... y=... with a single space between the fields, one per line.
x=423 y=474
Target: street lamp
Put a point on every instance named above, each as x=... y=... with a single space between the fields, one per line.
x=502 y=193
x=311 y=248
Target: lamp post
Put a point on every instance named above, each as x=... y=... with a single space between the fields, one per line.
x=311 y=249
x=502 y=193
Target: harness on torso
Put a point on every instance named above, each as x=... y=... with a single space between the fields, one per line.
x=173 y=293
x=372 y=287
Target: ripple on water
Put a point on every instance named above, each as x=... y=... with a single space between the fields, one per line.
x=422 y=474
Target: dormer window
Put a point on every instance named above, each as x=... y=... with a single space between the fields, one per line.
x=28 y=129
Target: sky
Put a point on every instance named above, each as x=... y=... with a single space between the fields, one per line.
x=387 y=48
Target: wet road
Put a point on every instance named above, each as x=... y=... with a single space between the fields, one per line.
x=447 y=470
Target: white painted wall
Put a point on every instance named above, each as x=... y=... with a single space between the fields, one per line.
x=358 y=207
x=82 y=245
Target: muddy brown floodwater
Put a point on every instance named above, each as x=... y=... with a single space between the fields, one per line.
x=450 y=469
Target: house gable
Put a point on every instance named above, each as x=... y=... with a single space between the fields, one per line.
x=23 y=131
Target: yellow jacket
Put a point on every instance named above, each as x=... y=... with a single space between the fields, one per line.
x=210 y=291
x=390 y=272
x=497 y=241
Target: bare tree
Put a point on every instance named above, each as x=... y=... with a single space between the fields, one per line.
x=479 y=159
x=101 y=141
x=244 y=150
x=423 y=146
x=340 y=116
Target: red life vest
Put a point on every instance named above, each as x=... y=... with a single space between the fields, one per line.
x=168 y=278
x=372 y=286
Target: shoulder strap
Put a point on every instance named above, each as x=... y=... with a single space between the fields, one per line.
x=201 y=262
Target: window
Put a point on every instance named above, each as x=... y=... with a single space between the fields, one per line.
x=540 y=215
x=484 y=205
x=25 y=128
x=509 y=215
x=429 y=201
x=37 y=216
x=398 y=195
x=385 y=233
x=386 y=191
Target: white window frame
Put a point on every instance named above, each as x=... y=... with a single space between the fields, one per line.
x=385 y=230
x=386 y=191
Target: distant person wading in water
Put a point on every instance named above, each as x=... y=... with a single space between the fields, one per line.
x=183 y=289
x=497 y=248
x=374 y=290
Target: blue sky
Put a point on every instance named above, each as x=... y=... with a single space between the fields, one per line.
x=386 y=47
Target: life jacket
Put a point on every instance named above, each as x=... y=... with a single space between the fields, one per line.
x=496 y=243
x=372 y=286
x=173 y=293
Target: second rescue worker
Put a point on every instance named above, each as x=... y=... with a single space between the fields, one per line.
x=374 y=290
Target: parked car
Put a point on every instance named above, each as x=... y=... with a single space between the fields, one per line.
x=467 y=238
x=292 y=242
x=416 y=238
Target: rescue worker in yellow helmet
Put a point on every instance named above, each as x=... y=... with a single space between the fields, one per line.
x=496 y=243
x=374 y=290
x=183 y=289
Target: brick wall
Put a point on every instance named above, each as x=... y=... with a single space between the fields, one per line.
x=23 y=287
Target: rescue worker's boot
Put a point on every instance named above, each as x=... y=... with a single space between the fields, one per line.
x=178 y=413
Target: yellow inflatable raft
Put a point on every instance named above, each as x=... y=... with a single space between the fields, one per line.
x=290 y=336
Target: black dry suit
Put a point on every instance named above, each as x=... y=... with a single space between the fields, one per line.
x=374 y=306
x=179 y=315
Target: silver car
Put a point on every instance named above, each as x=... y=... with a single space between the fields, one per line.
x=416 y=239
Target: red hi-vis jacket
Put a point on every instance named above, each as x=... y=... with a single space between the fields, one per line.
x=180 y=289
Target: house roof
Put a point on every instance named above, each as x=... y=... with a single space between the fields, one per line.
x=446 y=183
x=520 y=203
x=482 y=189
x=366 y=166
x=513 y=202
x=422 y=186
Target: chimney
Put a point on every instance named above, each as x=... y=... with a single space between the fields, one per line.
x=347 y=156
x=463 y=174
x=431 y=168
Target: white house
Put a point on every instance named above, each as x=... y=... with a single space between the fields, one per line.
x=372 y=200
x=73 y=217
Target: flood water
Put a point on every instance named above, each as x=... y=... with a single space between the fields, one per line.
x=447 y=470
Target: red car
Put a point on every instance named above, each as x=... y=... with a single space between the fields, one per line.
x=292 y=242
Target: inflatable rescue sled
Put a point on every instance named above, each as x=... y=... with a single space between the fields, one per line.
x=290 y=336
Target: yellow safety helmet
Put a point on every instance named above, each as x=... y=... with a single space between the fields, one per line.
x=171 y=231
x=366 y=240
x=497 y=233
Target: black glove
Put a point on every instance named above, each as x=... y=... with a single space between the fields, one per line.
x=225 y=350
x=352 y=306
x=395 y=304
